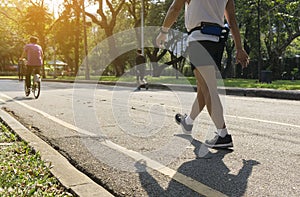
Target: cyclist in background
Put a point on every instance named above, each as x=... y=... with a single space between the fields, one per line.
x=34 y=55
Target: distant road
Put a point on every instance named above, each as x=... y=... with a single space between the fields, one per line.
x=129 y=143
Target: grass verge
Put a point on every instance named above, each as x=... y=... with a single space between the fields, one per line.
x=251 y=83
x=239 y=83
x=22 y=172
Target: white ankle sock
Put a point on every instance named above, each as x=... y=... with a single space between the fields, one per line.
x=222 y=132
x=189 y=120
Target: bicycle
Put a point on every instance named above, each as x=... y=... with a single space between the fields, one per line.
x=35 y=85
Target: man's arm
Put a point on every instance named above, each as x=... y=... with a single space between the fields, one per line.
x=172 y=14
x=241 y=55
x=170 y=18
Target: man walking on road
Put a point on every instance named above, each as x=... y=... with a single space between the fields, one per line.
x=204 y=21
x=140 y=62
x=34 y=56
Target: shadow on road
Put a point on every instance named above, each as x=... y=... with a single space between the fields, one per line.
x=24 y=98
x=209 y=170
x=18 y=99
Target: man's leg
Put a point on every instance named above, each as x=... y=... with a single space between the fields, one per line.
x=197 y=107
x=198 y=104
x=204 y=98
x=207 y=80
x=37 y=70
x=28 y=76
x=186 y=121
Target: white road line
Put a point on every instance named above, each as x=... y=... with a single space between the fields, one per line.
x=59 y=121
x=239 y=117
x=181 y=178
x=185 y=180
x=264 y=121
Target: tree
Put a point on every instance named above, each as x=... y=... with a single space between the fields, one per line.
x=134 y=8
x=279 y=27
x=67 y=34
x=155 y=17
x=284 y=28
x=107 y=20
x=11 y=33
x=155 y=54
x=36 y=21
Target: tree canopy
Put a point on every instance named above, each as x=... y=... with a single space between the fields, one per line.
x=270 y=31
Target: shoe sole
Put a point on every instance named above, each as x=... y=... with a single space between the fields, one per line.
x=229 y=145
x=185 y=131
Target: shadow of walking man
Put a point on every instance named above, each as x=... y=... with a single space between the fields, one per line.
x=207 y=175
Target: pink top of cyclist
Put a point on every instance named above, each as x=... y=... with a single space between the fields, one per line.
x=33 y=52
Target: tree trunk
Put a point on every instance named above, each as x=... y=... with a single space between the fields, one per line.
x=275 y=66
x=77 y=40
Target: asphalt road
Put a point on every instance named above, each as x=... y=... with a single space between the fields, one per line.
x=128 y=141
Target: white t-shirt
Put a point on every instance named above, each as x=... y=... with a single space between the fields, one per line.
x=197 y=11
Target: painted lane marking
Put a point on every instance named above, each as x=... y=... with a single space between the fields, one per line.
x=181 y=178
x=264 y=121
x=231 y=116
x=57 y=120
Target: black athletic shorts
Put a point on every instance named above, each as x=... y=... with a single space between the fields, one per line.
x=203 y=53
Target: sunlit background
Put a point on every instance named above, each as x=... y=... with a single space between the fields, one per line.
x=69 y=29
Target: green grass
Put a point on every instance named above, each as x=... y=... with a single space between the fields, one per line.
x=155 y=80
x=278 y=84
x=22 y=172
x=239 y=83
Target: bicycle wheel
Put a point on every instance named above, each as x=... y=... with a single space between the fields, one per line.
x=36 y=89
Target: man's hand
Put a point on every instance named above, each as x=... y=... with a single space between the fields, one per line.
x=242 y=57
x=160 y=40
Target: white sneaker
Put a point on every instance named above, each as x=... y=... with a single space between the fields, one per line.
x=186 y=128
